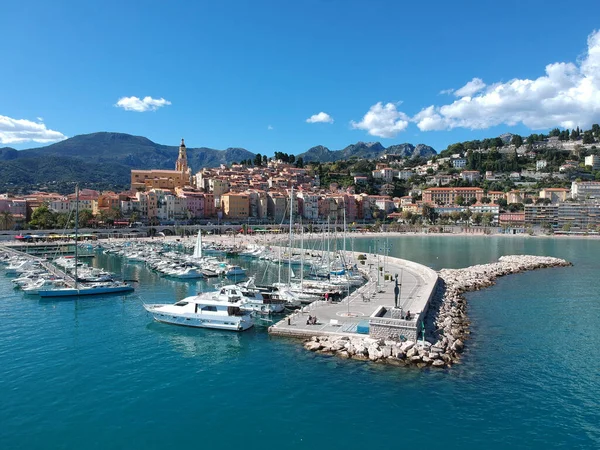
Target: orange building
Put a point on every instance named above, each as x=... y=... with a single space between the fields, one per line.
x=145 y=180
x=235 y=205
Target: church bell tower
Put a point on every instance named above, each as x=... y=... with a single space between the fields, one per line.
x=182 y=165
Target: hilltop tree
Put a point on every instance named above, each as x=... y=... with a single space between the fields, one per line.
x=588 y=138
x=516 y=140
x=258 y=160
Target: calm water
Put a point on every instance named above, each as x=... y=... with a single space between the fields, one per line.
x=98 y=373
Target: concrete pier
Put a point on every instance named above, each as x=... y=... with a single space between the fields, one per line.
x=370 y=309
x=51 y=268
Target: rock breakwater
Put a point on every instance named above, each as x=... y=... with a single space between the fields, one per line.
x=446 y=324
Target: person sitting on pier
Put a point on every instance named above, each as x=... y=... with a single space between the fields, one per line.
x=314 y=320
x=408 y=315
x=309 y=320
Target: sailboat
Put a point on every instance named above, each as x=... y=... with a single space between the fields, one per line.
x=198 y=247
x=76 y=289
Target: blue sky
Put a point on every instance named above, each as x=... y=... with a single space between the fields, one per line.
x=250 y=73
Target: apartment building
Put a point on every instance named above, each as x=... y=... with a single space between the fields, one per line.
x=581 y=190
x=235 y=206
x=445 y=196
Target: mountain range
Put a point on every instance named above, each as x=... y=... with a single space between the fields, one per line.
x=104 y=160
x=366 y=150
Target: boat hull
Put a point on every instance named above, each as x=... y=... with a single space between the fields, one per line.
x=200 y=321
x=84 y=292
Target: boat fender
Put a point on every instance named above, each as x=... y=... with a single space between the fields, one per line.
x=263 y=308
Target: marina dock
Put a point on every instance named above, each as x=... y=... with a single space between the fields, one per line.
x=51 y=268
x=369 y=310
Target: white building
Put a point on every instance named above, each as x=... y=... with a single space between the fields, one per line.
x=593 y=161
x=405 y=174
x=308 y=205
x=61 y=205
x=580 y=190
x=459 y=163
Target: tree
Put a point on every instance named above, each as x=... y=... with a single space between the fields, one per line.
x=258 y=159
x=42 y=218
x=407 y=215
x=574 y=135
x=300 y=162
x=472 y=201
x=476 y=218
x=486 y=200
x=596 y=129
x=85 y=217
x=459 y=200
x=502 y=202
x=516 y=140
x=428 y=213
x=6 y=219
x=588 y=138
x=487 y=219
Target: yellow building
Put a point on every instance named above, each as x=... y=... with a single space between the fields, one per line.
x=555 y=195
x=145 y=180
x=235 y=205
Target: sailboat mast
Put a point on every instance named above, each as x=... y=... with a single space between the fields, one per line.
x=302 y=256
x=76 y=230
x=291 y=236
x=328 y=249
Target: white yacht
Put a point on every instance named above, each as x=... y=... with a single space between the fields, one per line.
x=201 y=312
x=251 y=300
x=235 y=271
x=187 y=273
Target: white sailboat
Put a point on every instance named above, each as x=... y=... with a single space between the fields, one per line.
x=79 y=289
x=198 y=247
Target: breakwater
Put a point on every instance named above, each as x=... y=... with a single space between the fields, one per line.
x=446 y=326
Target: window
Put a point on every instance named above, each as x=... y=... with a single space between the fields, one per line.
x=209 y=308
x=182 y=303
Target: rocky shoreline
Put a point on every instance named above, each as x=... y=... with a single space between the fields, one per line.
x=447 y=323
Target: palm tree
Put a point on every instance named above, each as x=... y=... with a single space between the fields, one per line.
x=6 y=218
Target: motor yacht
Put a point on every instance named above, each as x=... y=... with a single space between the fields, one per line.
x=200 y=312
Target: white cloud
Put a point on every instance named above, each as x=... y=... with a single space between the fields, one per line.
x=40 y=119
x=383 y=121
x=446 y=91
x=269 y=127
x=320 y=118
x=472 y=87
x=568 y=95
x=143 y=105
x=17 y=131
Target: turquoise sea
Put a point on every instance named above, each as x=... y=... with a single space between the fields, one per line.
x=97 y=373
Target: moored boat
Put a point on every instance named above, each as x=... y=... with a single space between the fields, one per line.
x=201 y=312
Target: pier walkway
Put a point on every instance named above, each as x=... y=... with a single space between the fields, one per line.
x=51 y=268
x=370 y=305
